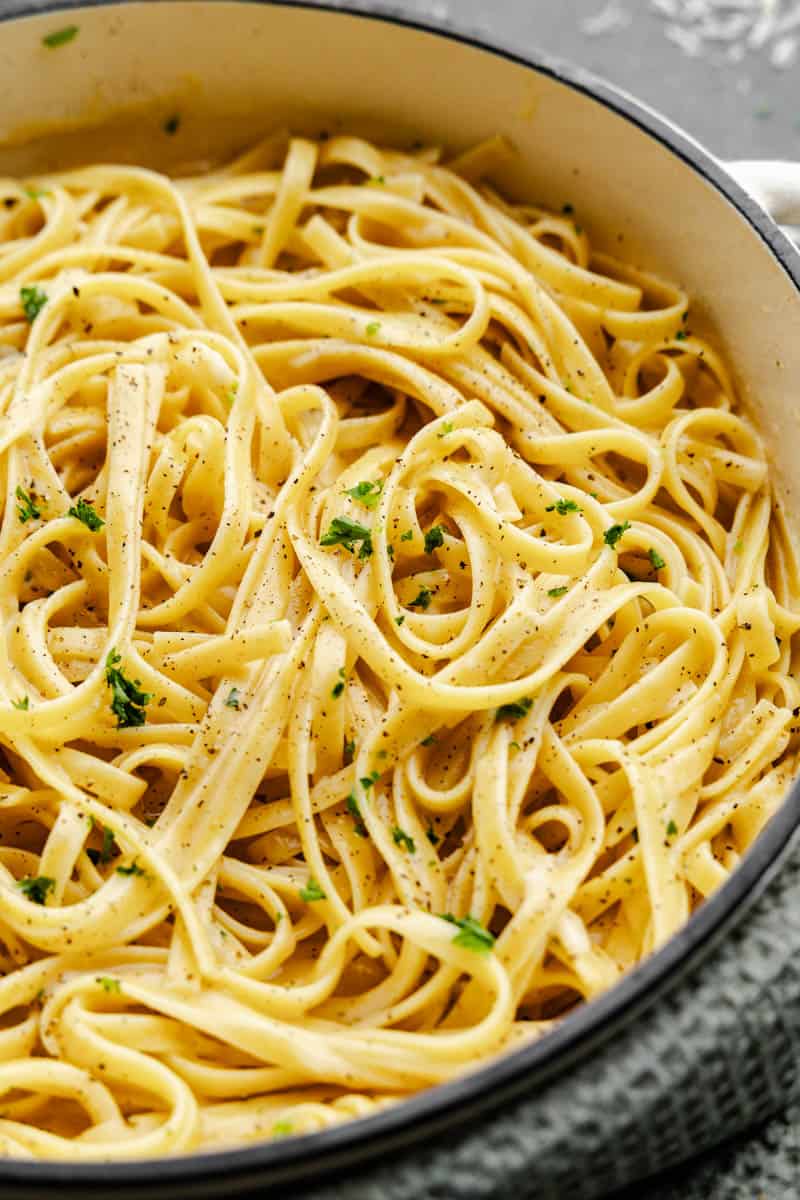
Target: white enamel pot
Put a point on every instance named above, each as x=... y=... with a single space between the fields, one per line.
x=703 y=1038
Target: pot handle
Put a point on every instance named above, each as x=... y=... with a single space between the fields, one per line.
x=776 y=187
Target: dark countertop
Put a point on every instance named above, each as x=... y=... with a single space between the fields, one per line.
x=739 y=109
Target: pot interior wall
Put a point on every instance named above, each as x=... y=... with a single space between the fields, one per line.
x=244 y=69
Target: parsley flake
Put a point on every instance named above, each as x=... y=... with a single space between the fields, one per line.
x=109 y=846
x=344 y=532
x=672 y=829
x=312 y=891
x=656 y=561
x=233 y=698
x=338 y=688
x=108 y=984
x=407 y=536
x=23 y=704
x=612 y=535
x=60 y=37
x=562 y=507
x=446 y=428
x=558 y=591
x=36 y=887
x=282 y=1128
x=366 y=493
x=401 y=838
x=430 y=740
x=471 y=935
x=84 y=511
x=127 y=699
x=367 y=781
x=514 y=711
x=132 y=869
x=423 y=599
x=355 y=813
x=432 y=836
x=434 y=538
x=33 y=300
x=373 y=328
x=26 y=509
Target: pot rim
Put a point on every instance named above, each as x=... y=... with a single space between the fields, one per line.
x=435 y=1109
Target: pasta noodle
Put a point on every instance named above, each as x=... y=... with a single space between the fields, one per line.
x=397 y=637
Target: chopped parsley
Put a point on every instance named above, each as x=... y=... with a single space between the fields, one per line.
x=84 y=511
x=108 y=984
x=738 y=546
x=366 y=493
x=338 y=688
x=127 y=699
x=233 y=698
x=672 y=829
x=446 y=428
x=33 y=300
x=312 y=891
x=172 y=124
x=471 y=935
x=434 y=538
x=109 y=846
x=399 y=620
x=36 y=887
x=430 y=740
x=282 y=1128
x=612 y=535
x=432 y=836
x=34 y=193
x=514 y=711
x=423 y=599
x=373 y=328
x=562 y=507
x=407 y=536
x=26 y=509
x=558 y=591
x=355 y=813
x=656 y=561
x=401 y=838
x=60 y=37
x=367 y=781
x=349 y=749
x=681 y=335
x=23 y=704
x=376 y=181
x=344 y=532
x=132 y=869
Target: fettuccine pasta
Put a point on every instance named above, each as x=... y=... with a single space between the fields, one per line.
x=396 y=643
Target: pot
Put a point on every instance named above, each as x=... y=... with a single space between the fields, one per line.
x=702 y=1039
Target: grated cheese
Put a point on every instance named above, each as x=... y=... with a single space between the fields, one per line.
x=731 y=29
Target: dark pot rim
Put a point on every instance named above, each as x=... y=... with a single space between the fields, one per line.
x=448 y=1105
